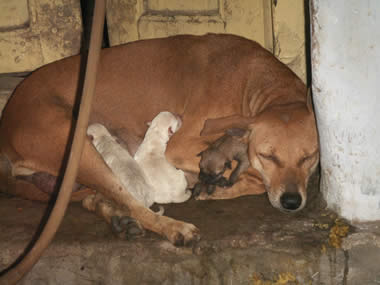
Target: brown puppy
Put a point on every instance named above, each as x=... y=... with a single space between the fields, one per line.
x=218 y=157
x=229 y=79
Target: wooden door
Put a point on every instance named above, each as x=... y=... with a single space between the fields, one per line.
x=276 y=25
x=36 y=32
x=130 y=20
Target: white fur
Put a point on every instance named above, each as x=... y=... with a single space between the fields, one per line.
x=122 y=164
x=169 y=183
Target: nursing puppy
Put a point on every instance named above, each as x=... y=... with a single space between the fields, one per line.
x=122 y=164
x=169 y=182
x=218 y=157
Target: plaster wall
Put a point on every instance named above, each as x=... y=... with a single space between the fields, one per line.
x=346 y=72
x=279 y=26
x=289 y=35
x=36 y=32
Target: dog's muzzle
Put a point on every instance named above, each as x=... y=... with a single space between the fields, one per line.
x=291 y=200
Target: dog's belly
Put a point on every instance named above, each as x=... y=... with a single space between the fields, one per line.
x=46 y=182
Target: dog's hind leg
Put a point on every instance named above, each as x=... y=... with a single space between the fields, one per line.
x=38 y=143
x=118 y=218
x=95 y=173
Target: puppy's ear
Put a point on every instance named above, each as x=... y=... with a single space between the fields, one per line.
x=170 y=131
x=228 y=164
x=220 y=125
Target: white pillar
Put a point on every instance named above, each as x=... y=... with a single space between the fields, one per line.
x=346 y=88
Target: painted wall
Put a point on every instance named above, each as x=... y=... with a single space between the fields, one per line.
x=36 y=32
x=279 y=27
x=346 y=76
x=289 y=35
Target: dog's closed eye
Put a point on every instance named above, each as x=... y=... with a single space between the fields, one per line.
x=270 y=157
x=306 y=158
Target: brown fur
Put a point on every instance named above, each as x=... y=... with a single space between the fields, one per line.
x=221 y=77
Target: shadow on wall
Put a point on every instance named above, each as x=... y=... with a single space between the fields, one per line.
x=307 y=42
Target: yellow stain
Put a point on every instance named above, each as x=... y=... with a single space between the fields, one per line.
x=282 y=279
x=337 y=233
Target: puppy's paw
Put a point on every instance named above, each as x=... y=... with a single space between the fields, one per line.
x=210 y=189
x=224 y=182
x=204 y=196
x=197 y=190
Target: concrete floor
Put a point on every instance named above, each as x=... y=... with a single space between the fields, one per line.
x=244 y=241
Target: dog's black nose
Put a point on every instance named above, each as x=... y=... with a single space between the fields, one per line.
x=291 y=201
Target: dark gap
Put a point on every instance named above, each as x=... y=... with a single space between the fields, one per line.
x=307 y=42
x=87 y=9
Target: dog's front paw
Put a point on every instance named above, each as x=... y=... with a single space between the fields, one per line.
x=181 y=233
x=126 y=227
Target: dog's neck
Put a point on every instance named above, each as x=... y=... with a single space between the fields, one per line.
x=273 y=86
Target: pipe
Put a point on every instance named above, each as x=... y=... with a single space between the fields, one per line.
x=25 y=265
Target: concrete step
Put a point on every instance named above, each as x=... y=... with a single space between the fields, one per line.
x=244 y=241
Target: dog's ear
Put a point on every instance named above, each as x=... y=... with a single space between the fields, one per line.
x=228 y=164
x=309 y=100
x=220 y=125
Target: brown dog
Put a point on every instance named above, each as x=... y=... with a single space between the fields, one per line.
x=231 y=80
x=218 y=157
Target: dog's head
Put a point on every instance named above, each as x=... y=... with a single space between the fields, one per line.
x=212 y=165
x=96 y=131
x=283 y=147
x=166 y=123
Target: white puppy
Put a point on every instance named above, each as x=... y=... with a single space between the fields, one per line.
x=169 y=183
x=122 y=164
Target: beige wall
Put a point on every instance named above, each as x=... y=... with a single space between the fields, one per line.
x=279 y=28
x=130 y=20
x=289 y=35
x=36 y=32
